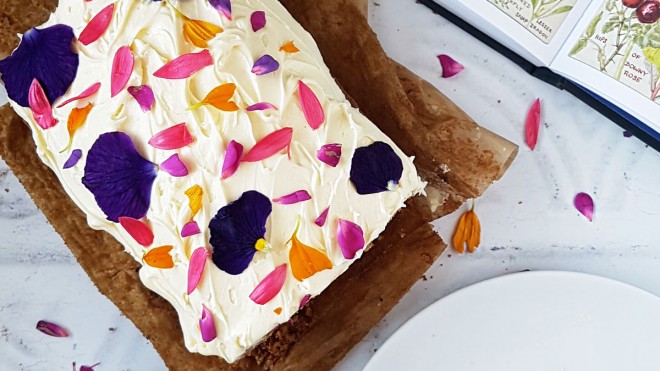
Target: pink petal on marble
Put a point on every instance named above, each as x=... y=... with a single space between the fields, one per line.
x=532 y=124
x=173 y=137
x=196 y=267
x=311 y=107
x=174 y=166
x=450 y=67
x=270 y=286
x=320 y=221
x=293 y=198
x=350 y=238
x=585 y=205
x=52 y=329
x=207 y=325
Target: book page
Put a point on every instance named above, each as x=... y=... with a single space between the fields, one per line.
x=542 y=18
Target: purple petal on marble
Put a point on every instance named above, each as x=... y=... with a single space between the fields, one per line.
x=88 y=368
x=450 y=67
x=350 y=238
x=329 y=154
x=293 y=198
x=261 y=106
x=627 y=134
x=585 y=205
x=174 y=166
x=143 y=95
x=52 y=329
x=264 y=65
x=223 y=6
x=258 y=20
x=190 y=229
x=75 y=156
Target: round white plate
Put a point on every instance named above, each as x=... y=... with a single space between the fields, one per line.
x=533 y=321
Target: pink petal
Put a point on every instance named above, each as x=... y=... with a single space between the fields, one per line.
x=139 y=230
x=196 y=268
x=532 y=124
x=174 y=166
x=320 y=221
x=40 y=106
x=329 y=154
x=258 y=20
x=185 y=65
x=270 y=145
x=87 y=368
x=232 y=159
x=143 y=95
x=350 y=238
x=585 y=205
x=173 y=137
x=190 y=229
x=270 y=286
x=449 y=66
x=122 y=67
x=97 y=26
x=293 y=198
x=261 y=106
x=310 y=105
x=304 y=301
x=52 y=329
x=207 y=325
x=87 y=93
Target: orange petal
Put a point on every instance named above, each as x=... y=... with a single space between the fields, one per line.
x=199 y=32
x=195 y=194
x=289 y=48
x=159 y=257
x=460 y=235
x=468 y=232
x=77 y=118
x=474 y=236
x=278 y=310
x=306 y=260
x=219 y=98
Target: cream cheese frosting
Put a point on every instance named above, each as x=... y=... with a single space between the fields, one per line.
x=153 y=30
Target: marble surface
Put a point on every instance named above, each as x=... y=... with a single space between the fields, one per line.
x=528 y=219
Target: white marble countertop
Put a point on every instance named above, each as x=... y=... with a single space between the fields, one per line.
x=528 y=218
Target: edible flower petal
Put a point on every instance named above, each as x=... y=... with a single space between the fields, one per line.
x=196 y=267
x=219 y=98
x=73 y=159
x=200 y=32
x=350 y=238
x=270 y=286
x=310 y=105
x=185 y=66
x=468 y=232
x=41 y=109
x=190 y=229
x=329 y=154
x=305 y=260
x=585 y=205
x=97 y=26
x=270 y=145
x=119 y=177
x=449 y=66
x=174 y=166
x=222 y=6
x=159 y=257
x=85 y=94
x=77 y=118
x=52 y=329
x=304 y=301
x=289 y=47
x=532 y=124
x=173 y=137
x=207 y=325
x=143 y=95
x=264 y=65
x=320 y=221
x=293 y=198
x=375 y=168
x=86 y=368
x=195 y=194
x=139 y=230
x=232 y=159
x=45 y=55
x=278 y=310
x=258 y=20
x=122 y=67
x=238 y=230
x=261 y=106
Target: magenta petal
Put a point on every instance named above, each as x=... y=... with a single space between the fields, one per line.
x=293 y=198
x=311 y=107
x=97 y=26
x=258 y=20
x=174 y=166
x=329 y=154
x=350 y=238
x=232 y=159
x=143 y=95
x=41 y=109
x=304 y=301
x=52 y=329
x=85 y=94
x=261 y=106
x=270 y=145
x=173 y=137
x=196 y=268
x=449 y=66
x=190 y=229
x=87 y=368
x=532 y=124
x=122 y=67
x=264 y=65
x=585 y=205
x=75 y=156
x=267 y=289
x=320 y=221
x=222 y=6
x=207 y=325
x=185 y=66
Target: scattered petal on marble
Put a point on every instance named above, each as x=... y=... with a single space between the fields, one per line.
x=320 y=221
x=265 y=65
x=585 y=205
x=174 y=166
x=159 y=257
x=450 y=67
x=122 y=68
x=222 y=6
x=174 y=137
x=329 y=154
x=190 y=229
x=310 y=105
x=261 y=106
x=350 y=238
x=42 y=112
x=207 y=325
x=52 y=329
x=289 y=47
x=185 y=66
x=139 y=230
x=375 y=168
x=270 y=145
x=195 y=194
x=85 y=94
x=232 y=159
x=293 y=198
x=305 y=260
x=196 y=267
x=143 y=95
x=258 y=20
x=468 y=232
x=270 y=286
x=304 y=301
x=532 y=124
x=88 y=368
x=97 y=26
x=627 y=134
x=73 y=159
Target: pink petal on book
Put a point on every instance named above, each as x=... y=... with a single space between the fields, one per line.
x=267 y=289
x=174 y=166
x=261 y=106
x=350 y=238
x=40 y=106
x=258 y=20
x=97 y=26
x=232 y=159
x=185 y=66
x=293 y=198
x=143 y=95
x=532 y=124
x=585 y=205
x=320 y=221
x=270 y=145
x=52 y=329
x=196 y=268
x=329 y=154
x=122 y=67
x=85 y=94
x=449 y=66
x=190 y=229
x=173 y=137
x=310 y=105
x=139 y=230
x=207 y=325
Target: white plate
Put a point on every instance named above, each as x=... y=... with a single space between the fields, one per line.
x=533 y=321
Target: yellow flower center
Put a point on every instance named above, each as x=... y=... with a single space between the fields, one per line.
x=262 y=245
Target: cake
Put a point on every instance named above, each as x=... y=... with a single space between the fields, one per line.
x=211 y=141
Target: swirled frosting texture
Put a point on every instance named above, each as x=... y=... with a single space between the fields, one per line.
x=154 y=32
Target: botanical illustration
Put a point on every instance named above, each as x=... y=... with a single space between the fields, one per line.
x=542 y=18
x=623 y=41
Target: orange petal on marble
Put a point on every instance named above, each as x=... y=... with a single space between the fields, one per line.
x=159 y=257
x=289 y=48
x=195 y=194
x=305 y=260
x=468 y=232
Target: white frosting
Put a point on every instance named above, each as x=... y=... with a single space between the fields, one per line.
x=155 y=33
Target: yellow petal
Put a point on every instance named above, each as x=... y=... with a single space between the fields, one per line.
x=159 y=257
x=289 y=48
x=199 y=32
x=306 y=260
x=195 y=194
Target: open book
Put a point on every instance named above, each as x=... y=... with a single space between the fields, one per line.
x=608 y=49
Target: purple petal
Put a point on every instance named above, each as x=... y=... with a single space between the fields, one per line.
x=320 y=221
x=207 y=325
x=585 y=205
x=258 y=20
x=76 y=154
x=293 y=198
x=174 y=166
x=264 y=65
x=119 y=177
x=52 y=329
x=232 y=159
x=223 y=6
x=329 y=154
x=143 y=95
x=190 y=229
x=261 y=106
x=350 y=238
x=304 y=301
x=375 y=168
x=449 y=66
x=45 y=55
x=627 y=134
x=235 y=230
